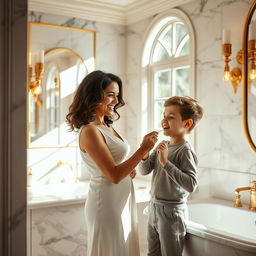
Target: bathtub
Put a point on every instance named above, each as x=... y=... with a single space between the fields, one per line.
x=217 y=228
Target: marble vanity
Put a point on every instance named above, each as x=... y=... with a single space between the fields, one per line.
x=55 y=218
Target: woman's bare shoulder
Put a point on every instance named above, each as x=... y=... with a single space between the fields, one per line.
x=89 y=129
x=91 y=133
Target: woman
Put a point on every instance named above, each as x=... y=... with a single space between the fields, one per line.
x=110 y=206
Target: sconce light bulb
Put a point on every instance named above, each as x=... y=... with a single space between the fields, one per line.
x=252 y=74
x=226 y=76
x=57 y=93
x=38 y=90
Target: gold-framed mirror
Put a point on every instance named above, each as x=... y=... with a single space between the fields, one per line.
x=59 y=58
x=249 y=77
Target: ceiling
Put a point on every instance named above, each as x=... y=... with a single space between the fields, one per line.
x=121 y=12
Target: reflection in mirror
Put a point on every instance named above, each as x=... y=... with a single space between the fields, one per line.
x=55 y=71
x=251 y=90
x=64 y=69
x=251 y=105
x=249 y=77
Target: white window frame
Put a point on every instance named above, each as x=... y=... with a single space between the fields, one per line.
x=148 y=67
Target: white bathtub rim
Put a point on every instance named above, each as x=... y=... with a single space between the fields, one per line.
x=222 y=238
x=210 y=233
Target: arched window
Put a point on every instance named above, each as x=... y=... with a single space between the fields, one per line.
x=168 y=65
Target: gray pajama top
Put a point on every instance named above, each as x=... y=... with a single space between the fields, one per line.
x=172 y=183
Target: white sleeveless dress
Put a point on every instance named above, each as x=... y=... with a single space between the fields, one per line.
x=110 y=209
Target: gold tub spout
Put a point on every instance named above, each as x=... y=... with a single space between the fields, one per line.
x=252 y=190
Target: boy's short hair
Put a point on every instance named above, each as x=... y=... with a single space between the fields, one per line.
x=189 y=108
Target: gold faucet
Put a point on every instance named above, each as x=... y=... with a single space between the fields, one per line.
x=59 y=164
x=252 y=190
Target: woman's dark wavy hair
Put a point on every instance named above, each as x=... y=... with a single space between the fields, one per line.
x=88 y=96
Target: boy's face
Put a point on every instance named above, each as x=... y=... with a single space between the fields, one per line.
x=172 y=123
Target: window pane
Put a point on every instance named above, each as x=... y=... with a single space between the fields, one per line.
x=181 y=81
x=180 y=32
x=162 y=84
x=81 y=72
x=185 y=49
x=158 y=111
x=32 y=117
x=160 y=53
x=166 y=38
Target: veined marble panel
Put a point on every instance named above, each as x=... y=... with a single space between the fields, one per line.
x=224 y=145
x=224 y=184
x=216 y=95
x=203 y=188
x=58 y=231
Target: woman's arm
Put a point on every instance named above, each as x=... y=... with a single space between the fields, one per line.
x=92 y=142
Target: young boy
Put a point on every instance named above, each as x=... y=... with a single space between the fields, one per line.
x=174 y=176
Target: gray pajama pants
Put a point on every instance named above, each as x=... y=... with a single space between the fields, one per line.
x=166 y=229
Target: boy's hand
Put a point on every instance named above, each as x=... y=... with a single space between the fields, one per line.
x=162 y=151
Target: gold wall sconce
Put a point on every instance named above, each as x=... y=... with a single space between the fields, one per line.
x=235 y=75
x=57 y=85
x=34 y=80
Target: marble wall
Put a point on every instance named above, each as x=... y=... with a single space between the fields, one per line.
x=58 y=231
x=225 y=159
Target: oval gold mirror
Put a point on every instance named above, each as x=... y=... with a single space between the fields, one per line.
x=63 y=71
x=249 y=77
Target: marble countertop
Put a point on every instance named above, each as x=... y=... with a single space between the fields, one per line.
x=62 y=194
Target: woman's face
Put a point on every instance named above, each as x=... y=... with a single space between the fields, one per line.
x=106 y=107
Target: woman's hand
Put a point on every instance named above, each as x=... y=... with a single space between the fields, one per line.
x=133 y=174
x=149 y=141
x=162 y=150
